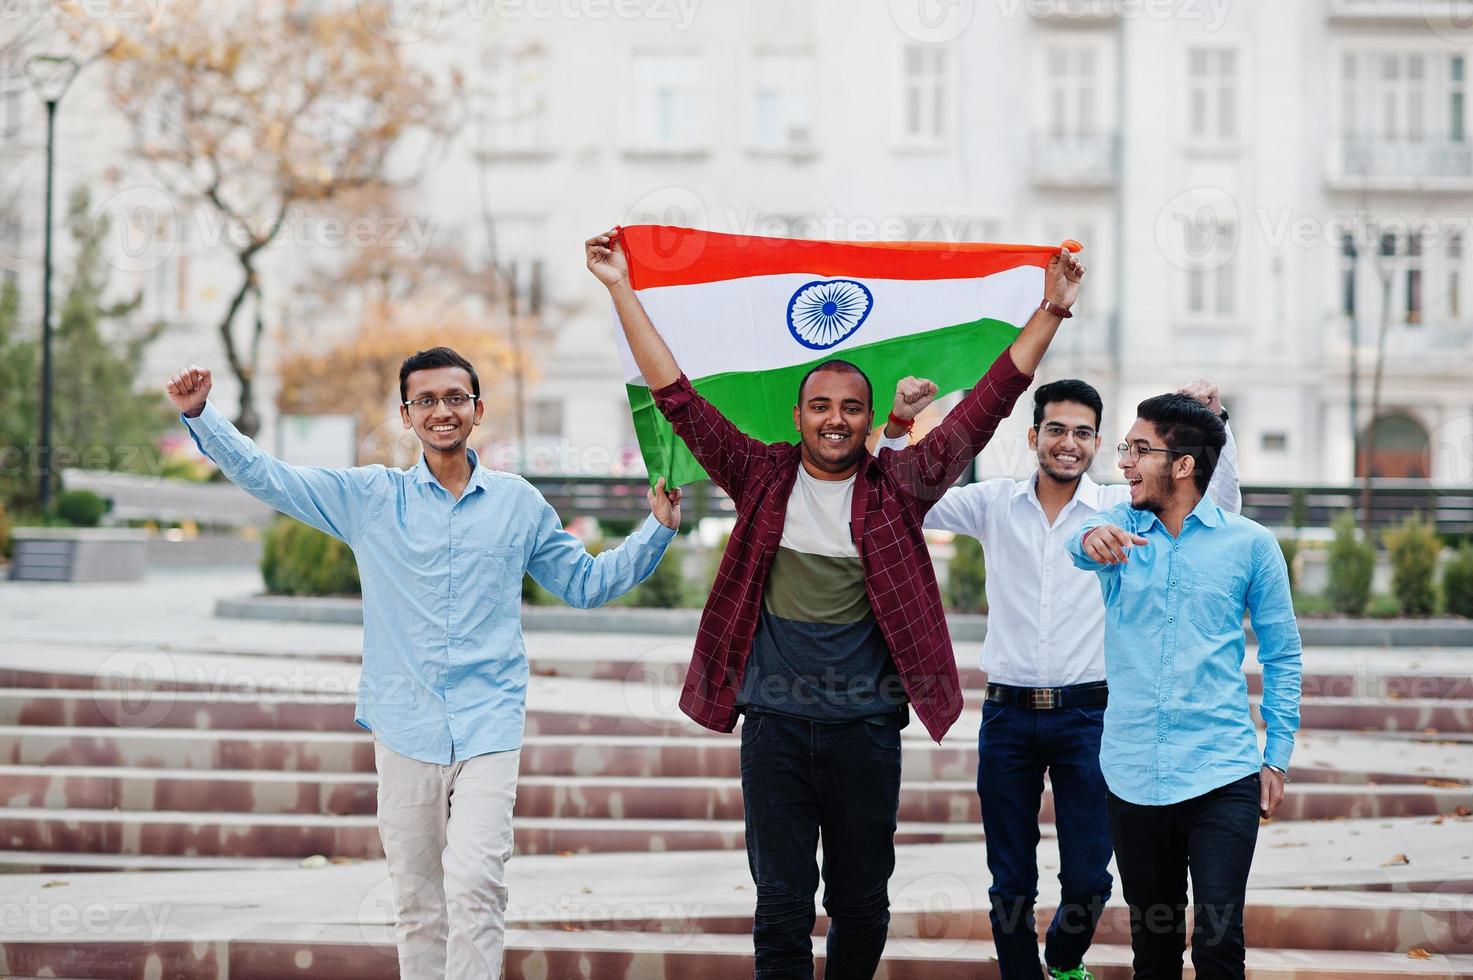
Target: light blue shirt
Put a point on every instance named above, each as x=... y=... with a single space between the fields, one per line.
x=1178 y=724
x=444 y=669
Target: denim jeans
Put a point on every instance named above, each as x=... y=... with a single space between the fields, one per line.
x=1015 y=747
x=1212 y=837
x=803 y=781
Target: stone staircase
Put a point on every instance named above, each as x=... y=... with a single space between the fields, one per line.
x=213 y=782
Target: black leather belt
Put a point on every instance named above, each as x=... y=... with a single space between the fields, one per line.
x=1049 y=698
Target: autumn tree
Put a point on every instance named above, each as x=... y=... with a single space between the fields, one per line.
x=358 y=375
x=264 y=114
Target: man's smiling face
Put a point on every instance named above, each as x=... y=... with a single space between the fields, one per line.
x=833 y=419
x=443 y=428
x=1066 y=440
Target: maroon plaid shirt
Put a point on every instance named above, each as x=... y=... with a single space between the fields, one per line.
x=892 y=493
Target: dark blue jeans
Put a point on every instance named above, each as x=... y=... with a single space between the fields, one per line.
x=802 y=780
x=1212 y=837
x=1015 y=747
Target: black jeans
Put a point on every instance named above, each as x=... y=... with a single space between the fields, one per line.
x=802 y=780
x=1014 y=748
x=1212 y=836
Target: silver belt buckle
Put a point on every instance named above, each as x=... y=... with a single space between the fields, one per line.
x=1043 y=698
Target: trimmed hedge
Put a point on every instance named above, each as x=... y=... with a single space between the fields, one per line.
x=301 y=560
x=80 y=508
x=1414 y=547
x=1352 y=562
x=1457 y=582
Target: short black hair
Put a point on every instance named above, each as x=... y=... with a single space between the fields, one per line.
x=1189 y=427
x=1067 y=390
x=838 y=364
x=435 y=357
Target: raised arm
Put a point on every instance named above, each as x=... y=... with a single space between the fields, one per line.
x=1223 y=488
x=1060 y=289
x=336 y=501
x=720 y=447
x=607 y=260
x=930 y=466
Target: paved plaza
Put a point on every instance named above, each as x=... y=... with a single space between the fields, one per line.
x=187 y=796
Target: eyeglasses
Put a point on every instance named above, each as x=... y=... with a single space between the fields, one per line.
x=454 y=402
x=1054 y=430
x=1128 y=452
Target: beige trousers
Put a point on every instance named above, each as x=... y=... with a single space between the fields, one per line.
x=447 y=836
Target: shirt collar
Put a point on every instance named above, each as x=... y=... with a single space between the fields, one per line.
x=1088 y=491
x=1206 y=512
x=478 y=478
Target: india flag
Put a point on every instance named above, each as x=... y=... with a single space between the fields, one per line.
x=746 y=317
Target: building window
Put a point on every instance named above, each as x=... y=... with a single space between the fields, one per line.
x=1409 y=96
x=545 y=418
x=513 y=103
x=667 y=101
x=519 y=253
x=1347 y=274
x=1413 y=274
x=1072 y=86
x=12 y=91
x=925 y=93
x=1211 y=273
x=1212 y=94
x=1455 y=98
x=782 y=109
x=1274 y=442
x=1454 y=273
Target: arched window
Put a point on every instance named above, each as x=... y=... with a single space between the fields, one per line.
x=1402 y=449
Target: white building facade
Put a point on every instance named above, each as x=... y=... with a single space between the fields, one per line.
x=1250 y=179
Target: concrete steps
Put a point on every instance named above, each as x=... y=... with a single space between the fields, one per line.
x=220 y=768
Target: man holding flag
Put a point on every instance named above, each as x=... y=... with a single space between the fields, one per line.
x=825 y=622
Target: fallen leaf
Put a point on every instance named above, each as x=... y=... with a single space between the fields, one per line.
x=1445 y=783
x=1418 y=953
x=1398 y=859
x=56 y=884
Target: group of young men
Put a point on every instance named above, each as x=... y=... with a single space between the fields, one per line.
x=1114 y=651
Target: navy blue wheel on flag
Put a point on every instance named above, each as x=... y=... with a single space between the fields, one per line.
x=826 y=312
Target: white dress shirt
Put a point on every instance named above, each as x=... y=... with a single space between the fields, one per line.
x=1045 y=618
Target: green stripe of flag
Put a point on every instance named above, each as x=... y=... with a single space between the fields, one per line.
x=760 y=403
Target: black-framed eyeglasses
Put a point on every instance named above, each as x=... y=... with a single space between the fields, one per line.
x=1054 y=430
x=455 y=402
x=1126 y=451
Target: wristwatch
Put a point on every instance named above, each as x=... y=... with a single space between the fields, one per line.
x=1281 y=772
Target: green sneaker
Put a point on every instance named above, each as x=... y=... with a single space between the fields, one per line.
x=1078 y=973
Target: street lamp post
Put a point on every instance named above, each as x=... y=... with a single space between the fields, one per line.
x=50 y=75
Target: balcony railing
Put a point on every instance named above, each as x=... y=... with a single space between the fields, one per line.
x=1074 y=11
x=1074 y=161
x=1369 y=160
x=1430 y=346
x=1421 y=12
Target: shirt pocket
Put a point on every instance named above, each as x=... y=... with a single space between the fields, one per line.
x=499 y=575
x=1215 y=606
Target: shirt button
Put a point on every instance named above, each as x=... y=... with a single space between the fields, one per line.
x=1171 y=619
x=1160 y=738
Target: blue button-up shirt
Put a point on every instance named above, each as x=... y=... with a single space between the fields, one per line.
x=1178 y=723
x=444 y=669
